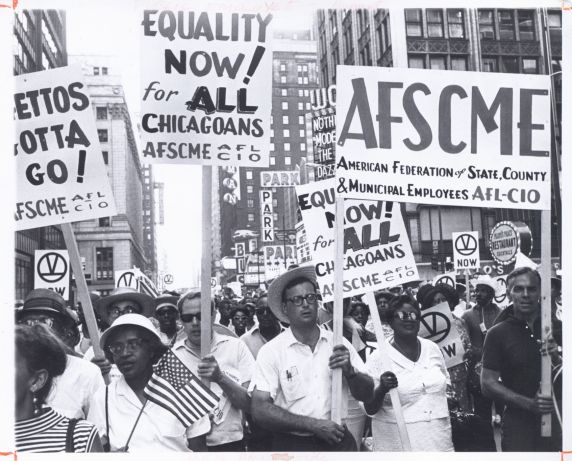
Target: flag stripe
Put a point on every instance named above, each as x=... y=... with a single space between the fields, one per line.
x=166 y=391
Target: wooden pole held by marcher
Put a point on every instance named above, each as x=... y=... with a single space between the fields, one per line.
x=386 y=365
x=338 y=313
x=82 y=292
x=206 y=264
x=467 y=290
x=546 y=315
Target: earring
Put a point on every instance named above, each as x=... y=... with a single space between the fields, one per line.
x=37 y=406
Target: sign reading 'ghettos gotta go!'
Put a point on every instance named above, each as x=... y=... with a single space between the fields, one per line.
x=443 y=137
x=61 y=176
x=206 y=81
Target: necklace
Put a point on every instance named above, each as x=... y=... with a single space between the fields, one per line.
x=417 y=349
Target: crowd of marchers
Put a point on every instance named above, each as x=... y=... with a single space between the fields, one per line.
x=270 y=365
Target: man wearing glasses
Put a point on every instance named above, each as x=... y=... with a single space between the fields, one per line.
x=291 y=388
x=71 y=391
x=268 y=327
x=228 y=367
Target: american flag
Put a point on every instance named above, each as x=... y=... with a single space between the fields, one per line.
x=173 y=387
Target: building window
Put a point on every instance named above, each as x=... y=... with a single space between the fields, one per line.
x=307 y=106
x=104 y=263
x=250 y=188
x=101 y=113
x=102 y=135
x=272 y=160
x=300 y=93
x=249 y=174
x=529 y=65
x=300 y=80
x=282 y=79
x=306 y=81
x=271 y=132
x=250 y=203
x=282 y=67
x=286 y=133
x=416 y=62
x=104 y=222
x=275 y=216
x=383 y=36
x=509 y=64
x=283 y=92
x=489 y=65
x=274 y=202
x=96 y=71
x=506 y=25
x=250 y=217
x=105 y=156
x=486 y=25
x=347 y=27
x=437 y=62
x=287 y=146
x=555 y=26
x=301 y=120
x=287 y=161
x=284 y=105
x=526 y=24
x=456 y=22
x=365 y=56
x=271 y=147
x=285 y=120
x=413 y=25
x=303 y=147
x=104 y=71
x=300 y=106
x=302 y=133
x=435 y=23
x=458 y=63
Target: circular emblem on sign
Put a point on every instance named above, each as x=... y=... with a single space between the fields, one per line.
x=437 y=326
x=52 y=267
x=126 y=280
x=507 y=239
x=501 y=288
x=447 y=280
x=466 y=244
x=168 y=279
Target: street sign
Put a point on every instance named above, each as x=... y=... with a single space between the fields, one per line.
x=52 y=271
x=466 y=250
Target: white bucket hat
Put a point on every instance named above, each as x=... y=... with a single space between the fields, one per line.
x=136 y=320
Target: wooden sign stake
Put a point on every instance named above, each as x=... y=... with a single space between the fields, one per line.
x=338 y=314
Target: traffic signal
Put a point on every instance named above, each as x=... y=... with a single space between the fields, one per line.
x=435 y=263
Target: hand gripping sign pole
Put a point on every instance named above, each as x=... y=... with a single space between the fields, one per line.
x=546 y=318
x=206 y=310
x=338 y=314
x=83 y=294
x=386 y=364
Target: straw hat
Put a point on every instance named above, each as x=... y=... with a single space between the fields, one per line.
x=126 y=294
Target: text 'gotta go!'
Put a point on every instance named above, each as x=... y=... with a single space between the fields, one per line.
x=455 y=103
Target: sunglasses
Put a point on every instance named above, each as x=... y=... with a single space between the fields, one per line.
x=311 y=298
x=188 y=318
x=131 y=345
x=407 y=315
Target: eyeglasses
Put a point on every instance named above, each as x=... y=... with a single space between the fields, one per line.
x=401 y=315
x=311 y=298
x=131 y=345
x=188 y=318
x=115 y=310
x=48 y=321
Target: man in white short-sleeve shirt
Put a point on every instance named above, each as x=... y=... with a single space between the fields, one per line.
x=291 y=388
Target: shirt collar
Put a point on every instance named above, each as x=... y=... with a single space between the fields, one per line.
x=291 y=339
x=216 y=339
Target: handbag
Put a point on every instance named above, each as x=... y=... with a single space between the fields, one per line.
x=471 y=432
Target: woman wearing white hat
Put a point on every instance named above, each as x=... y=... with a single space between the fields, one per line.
x=121 y=411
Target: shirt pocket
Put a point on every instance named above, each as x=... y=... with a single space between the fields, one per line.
x=292 y=384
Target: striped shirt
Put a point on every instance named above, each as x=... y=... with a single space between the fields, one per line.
x=47 y=434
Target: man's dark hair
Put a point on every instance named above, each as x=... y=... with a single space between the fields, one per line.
x=298 y=281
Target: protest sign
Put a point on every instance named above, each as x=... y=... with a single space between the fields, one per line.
x=52 y=271
x=501 y=297
x=206 y=81
x=448 y=278
x=466 y=250
x=508 y=239
x=279 y=178
x=267 y=215
x=302 y=245
x=443 y=137
x=61 y=176
x=324 y=140
x=277 y=258
x=438 y=325
x=128 y=278
x=377 y=252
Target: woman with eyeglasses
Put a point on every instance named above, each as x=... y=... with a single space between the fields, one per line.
x=121 y=412
x=420 y=376
x=41 y=357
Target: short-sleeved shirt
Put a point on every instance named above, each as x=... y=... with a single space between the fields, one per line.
x=254 y=339
x=157 y=430
x=237 y=363
x=422 y=384
x=72 y=391
x=298 y=379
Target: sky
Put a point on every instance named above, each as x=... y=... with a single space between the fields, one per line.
x=179 y=239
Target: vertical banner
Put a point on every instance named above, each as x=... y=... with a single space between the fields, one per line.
x=377 y=252
x=52 y=271
x=60 y=176
x=324 y=140
x=443 y=137
x=206 y=87
x=267 y=215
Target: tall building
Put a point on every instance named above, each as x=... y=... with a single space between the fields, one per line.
x=39 y=44
x=126 y=240
x=527 y=41
x=294 y=76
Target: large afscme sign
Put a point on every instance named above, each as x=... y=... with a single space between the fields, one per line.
x=443 y=137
